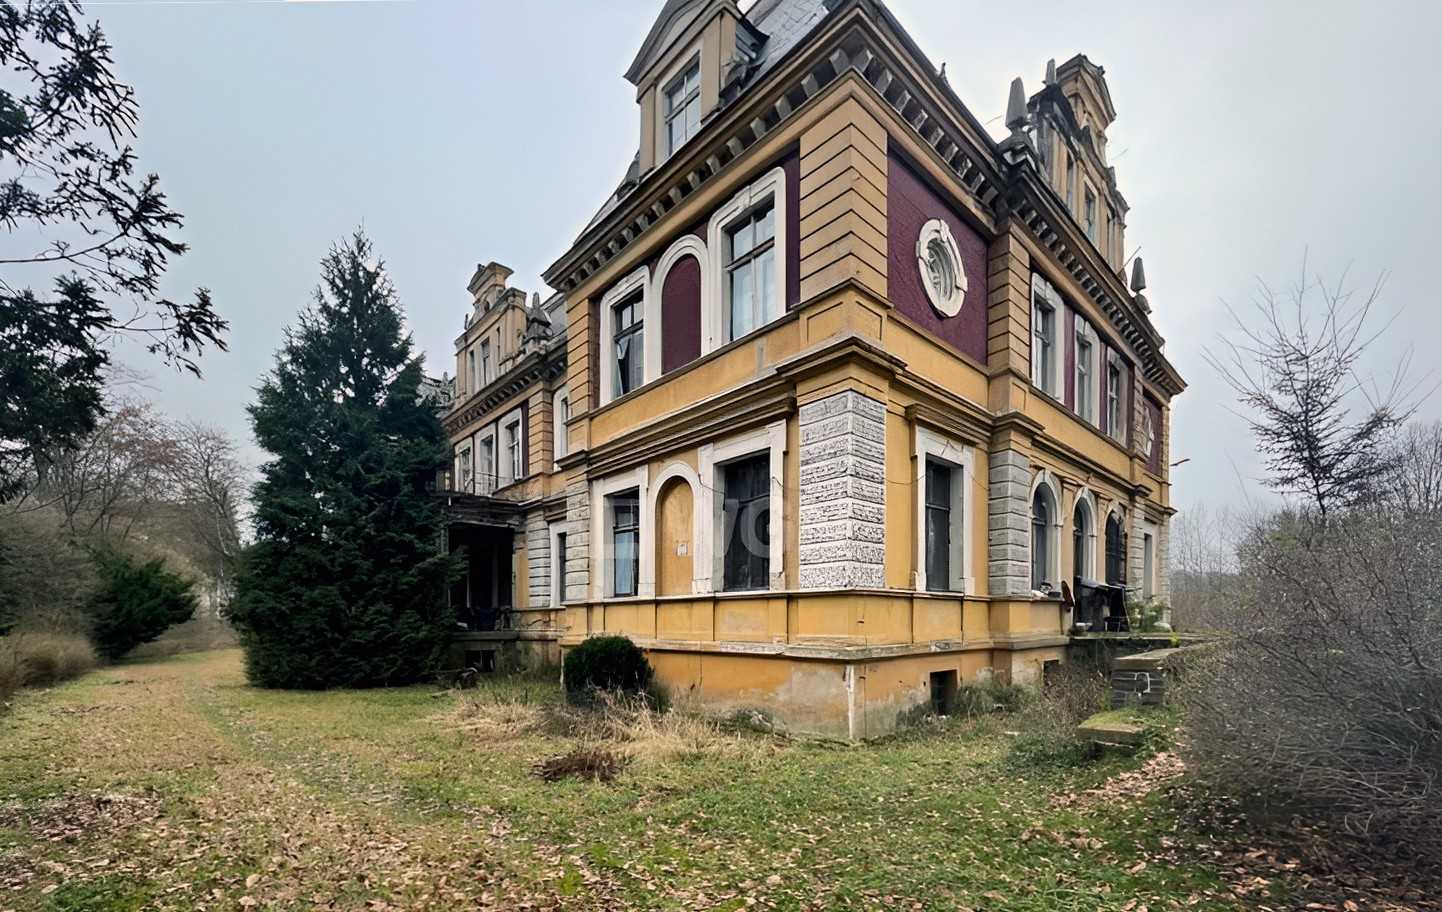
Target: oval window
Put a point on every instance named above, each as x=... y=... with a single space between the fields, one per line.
x=942 y=273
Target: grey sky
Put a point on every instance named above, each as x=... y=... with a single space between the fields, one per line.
x=462 y=132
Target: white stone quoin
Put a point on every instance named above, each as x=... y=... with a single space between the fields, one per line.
x=843 y=492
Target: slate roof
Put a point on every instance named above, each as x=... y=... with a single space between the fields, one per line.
x=784 y=23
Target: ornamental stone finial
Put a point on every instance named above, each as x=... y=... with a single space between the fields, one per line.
x=1139 y=276
x=1050 y=72
x=1016 y=107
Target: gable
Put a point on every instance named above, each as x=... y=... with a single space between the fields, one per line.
x=676 y=17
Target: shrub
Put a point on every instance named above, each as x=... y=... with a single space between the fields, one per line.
x=1326 y=693
x=36 y=659
x=137 y=602
x=606 y=663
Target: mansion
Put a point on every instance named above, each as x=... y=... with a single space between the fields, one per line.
x=840 y=401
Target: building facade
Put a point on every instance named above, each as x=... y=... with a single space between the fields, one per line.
x=849 y=388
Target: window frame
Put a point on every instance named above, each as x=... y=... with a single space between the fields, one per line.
x=735 y=506
x=560 y=416
x=715 y=302
x=931 y=446
x=632 y=498
x=628 y=375
x=601 y=553
x=1115 y=406
x=1050 y=564
x=712 y=459
x=487 y=479
x=1046 y=362
x=638 y=279
x=515 y=450
x=1090 y=204
x=1084 y=563
x=1084 y=381
x=670 y=113
x=752 y=258
x=484 y=374
x=558 y=535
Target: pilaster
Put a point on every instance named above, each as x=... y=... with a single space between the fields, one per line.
x=1008 y=522
x=842 y=215
x=843 y=492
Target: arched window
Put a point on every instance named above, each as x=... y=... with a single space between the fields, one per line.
x=1116 y=551
x=1043 y=544
x=1082 y=536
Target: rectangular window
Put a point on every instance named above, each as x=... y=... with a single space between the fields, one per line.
x=471 y=376
x=938 y=526
x=1070 y=183
x=1148 y=565
x=513 y=451
x=486 y=466
x=626 y=318
x=683 y=107
x=1114 y=400
x=625 y=542
x=561 y=406
x=751 y=271
x=1089 y=216
x=1084 y=377
x=464 y=469
x=485 y=375
x=558 y=576
x=747 y=498
x=1044 y=339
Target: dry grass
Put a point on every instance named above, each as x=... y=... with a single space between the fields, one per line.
x=492 y=715
x=39 y=659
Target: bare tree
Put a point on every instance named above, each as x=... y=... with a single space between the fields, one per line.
x=1414 y=477
x=210 y=485
x=1295 y=372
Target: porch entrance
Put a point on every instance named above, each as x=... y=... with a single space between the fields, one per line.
x=483 y=597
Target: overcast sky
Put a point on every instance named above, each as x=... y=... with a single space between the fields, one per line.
x=461 y=132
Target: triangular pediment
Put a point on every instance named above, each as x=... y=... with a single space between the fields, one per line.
x=676 y=17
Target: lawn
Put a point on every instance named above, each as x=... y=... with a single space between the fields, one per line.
x=173 y=785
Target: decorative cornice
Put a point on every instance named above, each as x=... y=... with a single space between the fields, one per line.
x=544 y=364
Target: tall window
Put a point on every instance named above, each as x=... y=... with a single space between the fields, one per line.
x=464 y=469
x=471 y=374
x=1081 y=540
x=1116 y=545
x=1042 y=512
x=938 y=526
x=747 y=562
x=1070 y=183
x=1043 y=337
x=486 y=465
x=513 y=451
x=485 y=375
x=625 y=541
x=558 y=573
x=626 y=318
x=1089 y=215
x=683 y=107
x=751 y=271
x=1148 y=568
x=1114 y=400
x=561 y=407
x=1084 y=375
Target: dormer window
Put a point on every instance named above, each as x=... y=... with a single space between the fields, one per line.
x=751 y=271
x=683 y=106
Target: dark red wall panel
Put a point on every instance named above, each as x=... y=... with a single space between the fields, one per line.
x=681 y=314
x=910 y=204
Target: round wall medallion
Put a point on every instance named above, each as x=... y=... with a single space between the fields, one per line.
x=941 y=271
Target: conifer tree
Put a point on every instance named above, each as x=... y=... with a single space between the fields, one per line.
x=345 y=586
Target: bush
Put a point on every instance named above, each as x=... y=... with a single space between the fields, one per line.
x=33 y=659
x=137 y=602
x=606 y=663
x=1326 y=693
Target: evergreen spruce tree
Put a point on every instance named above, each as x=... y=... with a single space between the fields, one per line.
x=345 y=586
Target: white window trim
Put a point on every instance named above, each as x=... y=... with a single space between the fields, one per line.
x=487 y=433
x=1116 y=430
x=1044 y=477
x=603 y=583
x=637 y=280
x=713 y=317
x=1147 y=588
x=1085 y=496
x=465 y=459
x=1084 y=331
x=700 y=524
x=711 y=462
x=962 y=458
x=682 y=247
x=558 y=582
x=1050 y=385
x=659 y=137
x=560 y=440
x=504 y=478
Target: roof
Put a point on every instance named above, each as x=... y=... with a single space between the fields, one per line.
x=784 y=23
